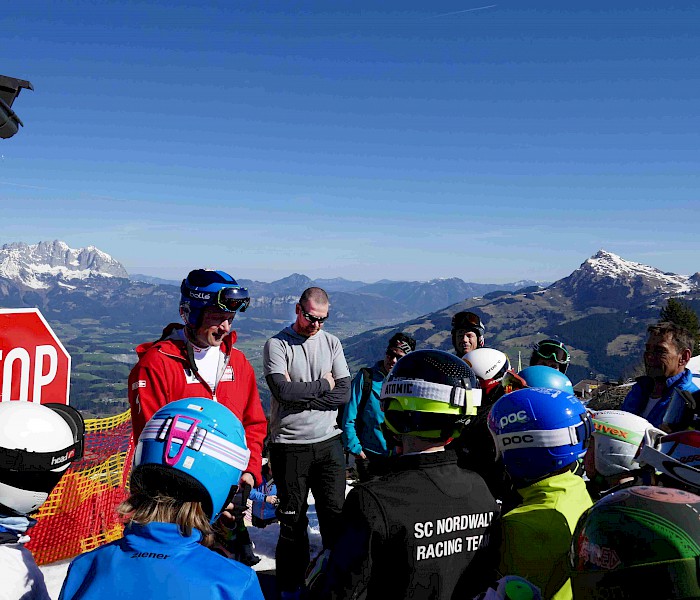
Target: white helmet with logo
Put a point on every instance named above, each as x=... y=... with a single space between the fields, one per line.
x=618 y=435
x=38 y=442
x=490 y=366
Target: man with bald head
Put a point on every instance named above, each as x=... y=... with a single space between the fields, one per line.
x=308 y=376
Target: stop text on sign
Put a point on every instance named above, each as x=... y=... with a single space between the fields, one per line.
x=34 y=365
x=41 y=376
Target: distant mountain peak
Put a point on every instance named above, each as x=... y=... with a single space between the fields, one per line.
x=611 y=265
x=39 y=265
x=606 y=279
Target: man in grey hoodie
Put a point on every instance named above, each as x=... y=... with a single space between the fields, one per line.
x=308 y=376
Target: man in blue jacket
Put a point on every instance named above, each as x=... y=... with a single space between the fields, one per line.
x=666 y=354
x=363 y=416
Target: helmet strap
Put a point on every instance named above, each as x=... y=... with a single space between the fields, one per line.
x=190 y=353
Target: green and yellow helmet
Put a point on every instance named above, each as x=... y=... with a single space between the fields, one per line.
x=430 y=394
x=639 y=542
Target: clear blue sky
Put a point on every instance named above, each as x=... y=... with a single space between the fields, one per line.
x=369 y=140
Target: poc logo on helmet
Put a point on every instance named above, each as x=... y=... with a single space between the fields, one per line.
x=507 y=440
x=518 y=417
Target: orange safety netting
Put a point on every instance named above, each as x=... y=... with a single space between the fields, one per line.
x=80 y=514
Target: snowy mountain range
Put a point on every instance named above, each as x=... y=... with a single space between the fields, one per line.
x=38 y=266
x=600 y=311
x=45 y=266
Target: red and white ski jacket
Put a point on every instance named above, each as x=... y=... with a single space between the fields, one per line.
x=164 y=374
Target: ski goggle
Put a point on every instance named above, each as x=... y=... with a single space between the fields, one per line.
x=467 y=320
x=676 y=455
x=233 y=299
x=551 y=350
x=512 y=381
x=25 y=461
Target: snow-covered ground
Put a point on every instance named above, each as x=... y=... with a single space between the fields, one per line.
x=264 y=540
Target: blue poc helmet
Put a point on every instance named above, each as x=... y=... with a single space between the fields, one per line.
x=540 y=376
x=193 y=450
x=539 y=431
x=202 y=288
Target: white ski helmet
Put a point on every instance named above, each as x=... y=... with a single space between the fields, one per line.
x=489 y=365
x=618 y=435
x=38 y=442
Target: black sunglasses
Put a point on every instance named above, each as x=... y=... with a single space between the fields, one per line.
x=313 y=318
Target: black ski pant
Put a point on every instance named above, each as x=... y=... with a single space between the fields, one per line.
x=298 y=468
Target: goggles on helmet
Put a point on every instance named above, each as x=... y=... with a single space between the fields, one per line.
x=676 y=455
x=232 y=299
x=24 y=460
x=512 y=381
x=467 y=320
x=552 y=350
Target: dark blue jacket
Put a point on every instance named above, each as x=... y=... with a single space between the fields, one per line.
x=637 y=398
x=156 y=561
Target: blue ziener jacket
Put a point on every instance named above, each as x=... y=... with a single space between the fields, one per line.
x=637 y=398
x=157 y=561
x=364 y=432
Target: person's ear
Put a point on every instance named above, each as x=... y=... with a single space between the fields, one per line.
x=686 y=355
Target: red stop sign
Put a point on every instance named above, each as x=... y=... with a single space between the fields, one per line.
x=34 y=365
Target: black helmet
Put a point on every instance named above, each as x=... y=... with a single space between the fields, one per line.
x=430 y=394
x=469 y=321
x=637 y=540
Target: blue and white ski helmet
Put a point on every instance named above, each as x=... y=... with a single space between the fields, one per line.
x=539 y=431
x=202 y=288
x=193 y=450
x=541 y=376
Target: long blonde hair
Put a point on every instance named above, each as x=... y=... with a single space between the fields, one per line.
x=144 y=509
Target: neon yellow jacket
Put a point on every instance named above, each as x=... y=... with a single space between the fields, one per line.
x=537 y=534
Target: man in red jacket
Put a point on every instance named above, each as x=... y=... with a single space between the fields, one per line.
x=199 y=360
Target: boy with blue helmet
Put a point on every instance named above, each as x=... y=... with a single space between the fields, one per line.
x=541 y=434
x=187 y=465
x=542 y=376
x=538 y=376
